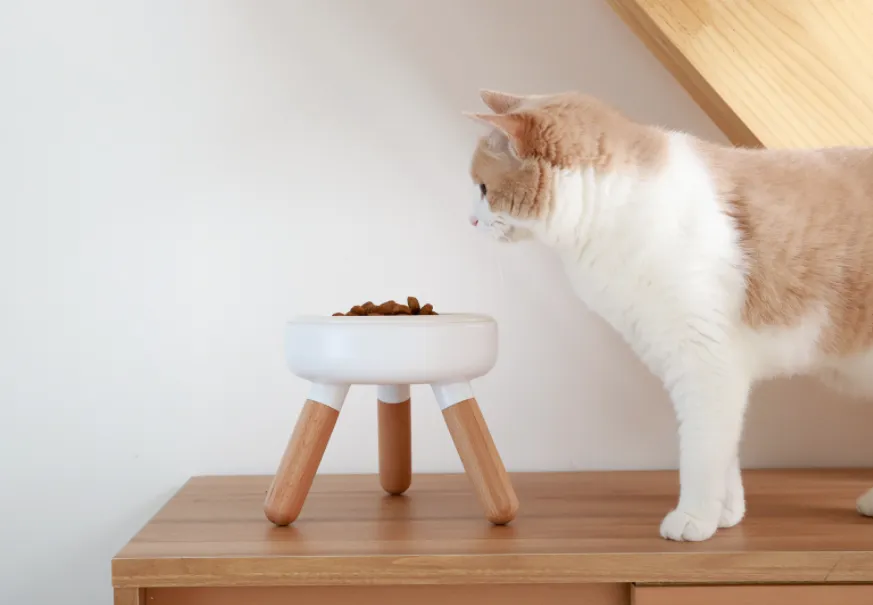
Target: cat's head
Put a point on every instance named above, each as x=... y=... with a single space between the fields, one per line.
x=535 y=152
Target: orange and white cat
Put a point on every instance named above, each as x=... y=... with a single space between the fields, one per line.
x=719 y=266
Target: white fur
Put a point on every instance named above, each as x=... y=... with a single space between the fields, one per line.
x=660 y=260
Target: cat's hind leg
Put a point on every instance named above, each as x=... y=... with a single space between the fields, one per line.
x=865 y=504
x=854 y=378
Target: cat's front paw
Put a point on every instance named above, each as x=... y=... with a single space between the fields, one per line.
x=732 y=513
x=734 y=506
x=682 y=527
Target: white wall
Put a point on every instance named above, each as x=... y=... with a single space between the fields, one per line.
x=178 y=178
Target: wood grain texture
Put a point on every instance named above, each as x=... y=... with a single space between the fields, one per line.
x=572 y=528
x=482 y=461
x=796 y=594
x=561 y=594
x=129 y=596
x=300 y=462
x=777 y=73
x=395 y=446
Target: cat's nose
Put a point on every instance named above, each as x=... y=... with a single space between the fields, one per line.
x=474 y=221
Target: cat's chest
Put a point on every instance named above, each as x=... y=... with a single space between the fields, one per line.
x=641 y=303
x=614 y=285
x=627 y=300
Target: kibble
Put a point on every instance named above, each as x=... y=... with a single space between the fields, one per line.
x=389 y=307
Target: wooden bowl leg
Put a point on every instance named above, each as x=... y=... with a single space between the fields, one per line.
x=303 y=454
x=395 y=438
x=478 y=453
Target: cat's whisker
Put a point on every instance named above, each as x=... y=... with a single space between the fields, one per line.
x=495 y=258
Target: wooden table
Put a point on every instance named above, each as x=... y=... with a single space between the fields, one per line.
x=772 y=73
x=579 y=538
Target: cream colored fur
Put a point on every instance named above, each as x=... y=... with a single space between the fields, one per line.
x=719 y=266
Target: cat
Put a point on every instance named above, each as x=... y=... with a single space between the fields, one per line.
x=720 y=266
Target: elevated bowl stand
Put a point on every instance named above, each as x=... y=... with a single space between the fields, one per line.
x=391 y=352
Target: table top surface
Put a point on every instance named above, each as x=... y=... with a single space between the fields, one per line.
x=779 y=73
x=572 y=527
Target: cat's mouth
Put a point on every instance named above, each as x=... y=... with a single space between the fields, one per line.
x=505 y=235
x=508 y=234
x=495 y=229
x=499 y=230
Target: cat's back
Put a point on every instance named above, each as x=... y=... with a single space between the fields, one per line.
x=813 y=179
x=805 y=222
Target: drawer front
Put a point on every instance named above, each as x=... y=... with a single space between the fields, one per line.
x=781 y=594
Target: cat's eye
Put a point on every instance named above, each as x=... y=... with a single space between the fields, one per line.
x=483 y=189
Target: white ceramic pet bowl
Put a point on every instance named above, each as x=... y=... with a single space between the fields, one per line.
x=391 y=350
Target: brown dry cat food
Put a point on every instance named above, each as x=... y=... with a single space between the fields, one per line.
x=389 y=307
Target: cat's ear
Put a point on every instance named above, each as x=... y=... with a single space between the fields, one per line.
x=512 y=125
x=500 y=102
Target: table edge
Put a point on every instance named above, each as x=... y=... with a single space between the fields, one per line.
x=544 y=568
